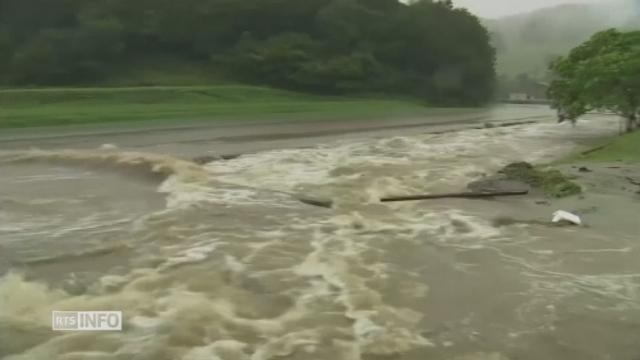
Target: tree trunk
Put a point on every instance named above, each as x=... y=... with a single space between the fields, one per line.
x=631 y=122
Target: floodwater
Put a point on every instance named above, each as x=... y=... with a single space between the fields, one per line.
x=220 y=261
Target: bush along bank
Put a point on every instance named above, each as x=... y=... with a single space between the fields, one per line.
x=552 y=182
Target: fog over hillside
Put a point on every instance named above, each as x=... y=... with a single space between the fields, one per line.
x=527 y=42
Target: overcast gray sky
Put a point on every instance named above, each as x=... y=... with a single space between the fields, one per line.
x=498 y=8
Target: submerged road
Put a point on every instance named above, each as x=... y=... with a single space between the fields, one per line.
x=233 y=137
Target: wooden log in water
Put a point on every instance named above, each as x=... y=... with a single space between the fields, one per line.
x=462 y=195
x=317 y=202
x=595 y=149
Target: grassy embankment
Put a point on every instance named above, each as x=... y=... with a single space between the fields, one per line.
x=62 y=106
x=625 y=149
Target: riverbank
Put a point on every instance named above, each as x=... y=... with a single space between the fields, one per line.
x=55 y=107
x=618 y=155
x=196 y=138
x=625 y=148
x=609 y=177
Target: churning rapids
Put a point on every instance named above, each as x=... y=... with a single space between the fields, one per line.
x=219 y=262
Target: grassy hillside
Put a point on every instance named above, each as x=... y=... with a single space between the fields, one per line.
x=165 y=70
x=526 y=43
x=48 y=107
x=320 y=46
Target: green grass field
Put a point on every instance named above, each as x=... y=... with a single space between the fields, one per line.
x=65 y=106
x=625 y=148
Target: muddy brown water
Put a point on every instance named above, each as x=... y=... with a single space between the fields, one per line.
x=216 y=261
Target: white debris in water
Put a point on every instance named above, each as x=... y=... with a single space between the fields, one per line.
x=561 y=215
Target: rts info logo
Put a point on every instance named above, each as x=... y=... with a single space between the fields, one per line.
x=86 y=320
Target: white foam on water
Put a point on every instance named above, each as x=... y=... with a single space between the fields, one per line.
x=219 y=350
x=234 y=265
x=279 y=170
x=109 y=147
x=402 y=165
x=25 y=301
x=193 y=254
x=378 y=328
x=482 y=356
x=623 y=288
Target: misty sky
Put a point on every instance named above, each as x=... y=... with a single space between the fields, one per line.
x=498 y=8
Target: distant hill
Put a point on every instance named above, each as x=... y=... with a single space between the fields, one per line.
x=526 y=43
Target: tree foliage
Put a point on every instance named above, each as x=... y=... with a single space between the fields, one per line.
x=425 y=48
x=601 y=74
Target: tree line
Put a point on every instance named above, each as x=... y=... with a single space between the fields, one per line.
x=424 y=48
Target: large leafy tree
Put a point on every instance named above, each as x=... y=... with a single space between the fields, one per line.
x=601 y=74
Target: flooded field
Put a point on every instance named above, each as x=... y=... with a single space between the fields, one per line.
x=220 y=261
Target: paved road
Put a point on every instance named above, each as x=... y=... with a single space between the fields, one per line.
x=215 y=138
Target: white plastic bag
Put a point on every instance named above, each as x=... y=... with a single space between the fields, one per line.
x=562 y=215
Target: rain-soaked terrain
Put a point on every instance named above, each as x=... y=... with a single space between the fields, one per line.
x=219 y=261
